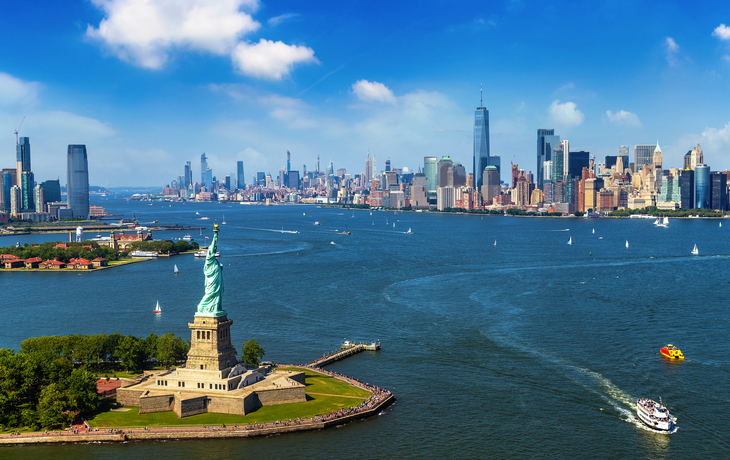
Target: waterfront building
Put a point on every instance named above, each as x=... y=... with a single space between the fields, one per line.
x=643 y=155
x=687 y=185
x=204 y=170
x=240 y=178
x=670 y=190
x=38 y=199
x=703 y=188
x=491 y=187
x=15 y=201
x=27 y=183
x=718 y=183
x=523 y=192
x=481 y=143
x=418 y=196
x=8 y=177
x=77 y=181
x=546 y=142
x=445 y=198
x=430 y=169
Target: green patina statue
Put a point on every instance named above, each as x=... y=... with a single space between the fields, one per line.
x=212 y=303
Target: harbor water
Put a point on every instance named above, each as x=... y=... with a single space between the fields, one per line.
x=530 y=348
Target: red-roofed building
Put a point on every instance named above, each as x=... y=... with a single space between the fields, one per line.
x=100 y=262
x=33 y=262
x=89 y=247
x=52 y=264
x=61 y=245
x=4 y=257
x=13 y=263
x=80 y=264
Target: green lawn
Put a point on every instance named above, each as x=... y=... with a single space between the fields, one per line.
x=315 y=404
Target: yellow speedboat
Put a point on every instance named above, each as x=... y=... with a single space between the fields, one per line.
x=671 y=352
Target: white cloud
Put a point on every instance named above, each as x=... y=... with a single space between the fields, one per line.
x=717 y=139
x=275 y=21
x=565 y=114
x=726 y=58
x=722 y=32
x=623 y=117
x=144 y=32
x=567 y=86
x=17 y=92
x=76 y=129
x=269 y=59
x=671 y=48
x=373 y=91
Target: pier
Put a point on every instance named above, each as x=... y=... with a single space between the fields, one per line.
x=347 y=349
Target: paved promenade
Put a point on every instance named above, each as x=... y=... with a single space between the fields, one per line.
x=379 y=399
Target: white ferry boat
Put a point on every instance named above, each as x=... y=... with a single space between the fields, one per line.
x=144 y=254
x=204 y=254
x=187 y=238
x=655 y=415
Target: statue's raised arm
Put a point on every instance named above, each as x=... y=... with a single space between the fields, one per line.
x=212 y=302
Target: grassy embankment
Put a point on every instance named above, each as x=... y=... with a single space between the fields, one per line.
x=347 y=395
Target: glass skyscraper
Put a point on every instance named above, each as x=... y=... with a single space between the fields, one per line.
x=546 y=142
x=203 y=169
x=481 y=146
x=643 y=155
x=703 y=191
x=77 y=181
x=7 y=185
x=430 y=169
x=26 y=191
x=240 y=179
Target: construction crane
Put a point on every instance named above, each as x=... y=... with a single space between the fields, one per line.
x=512 y=163
x=17 y=130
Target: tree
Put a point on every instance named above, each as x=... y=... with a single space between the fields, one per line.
x=51 y=406
x=81 y=394
x=252 y=353
x=171 y=349
x=131 y=351
x=150 y=346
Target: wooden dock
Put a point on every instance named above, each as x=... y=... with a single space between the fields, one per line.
x=347 y=349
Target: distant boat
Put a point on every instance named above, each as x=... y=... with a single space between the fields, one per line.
x=353 y=213
x=570 y=240
x=393 y=224
x=665 y=222
x=627 y=243
x=332 y=242
x=495 y=242
x=594 y=230
x=409 y=232
x=695 y=251
x=187 y=238
x=656 y=222
x=304 y=213
x=157 y=308
x=224 y=219
x=175 y=270
x=720 y=224
x=196 y=212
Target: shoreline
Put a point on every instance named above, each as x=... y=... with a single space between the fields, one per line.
x=123 y=434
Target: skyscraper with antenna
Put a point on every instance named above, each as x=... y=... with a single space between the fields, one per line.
x=481 y=141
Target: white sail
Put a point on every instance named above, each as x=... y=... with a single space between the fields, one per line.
x=666 y=221
x=720 y=224
x=594 y=230
x=627 y=243
x=175 y=270
x=695 y=251
x=495 y=242
x=570 y=240
x=157 y=308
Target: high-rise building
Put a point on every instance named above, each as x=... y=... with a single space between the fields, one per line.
x=578 y=161
x=623 y=151
x=39 y=199
x=546 y=142
x=209 y=179
x=77 y=181
x=696 y=157
x=643 y=155
x=22 y=158
x=204 y=169
x=240 y=178
x=703 y=187
x=456 y=175
x=368 y=171
x=687 y=187
x=288 y=162
x=430 y=169
x=670 y=191
x=387 y=165
x=7 y=185
x=496 y=161
x=481 y=143
x=558 y=168
x=657 y=157
x=611 y=161
x=188 y=177
x=566 y=156
x=443 y=167
x=491 y=187
x=718 y=182
x=27 y=182
x=227 y=182
x=293 y=178
x=14 y=200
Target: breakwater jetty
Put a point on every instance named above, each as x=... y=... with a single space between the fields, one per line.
x=380 y=399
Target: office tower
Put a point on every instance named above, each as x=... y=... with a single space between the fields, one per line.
x=491 y=187
x=293 y=180
x=240 y=178
x=375 y=164
x=7 y=185
x=657 y=157
x=39 y=199
x=566 y=156
x=623 y=150
x=288 y=162
x=579 y=160
x=612 y=159
x=687 y=186
x=187 y=176
x=14 y=200
x=456 y=175
x=227 y=182
x=481 y=143
x=203 y=169
x=27 y=183
x=546 y=142
x=368 y=171
x=23 y=158
x=330 y=170
x=670 y=190
x=496 y=161
x=696 y=157
x=443 y=167
x=558 y=168
x=261 y=178
x=77 y=181
x=643 y=155
x=341 y=173
x=208 y=178
x=430 y=169
x=515 y=175
x=718 y=182
x=387 y=165
x=703 y=188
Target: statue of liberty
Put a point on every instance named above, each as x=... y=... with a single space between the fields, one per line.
x=212 y=302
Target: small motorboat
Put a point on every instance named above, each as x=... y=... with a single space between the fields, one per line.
x=671 y=352
x=655 y=415
x=316 y=223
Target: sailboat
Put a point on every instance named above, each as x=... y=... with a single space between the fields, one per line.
x=409 y=232
x=627 y=243
x=353 y=213
x=495 y=242
x=665 y=222
x=656 y=222
x=695 y=251
x=393 y=224
x=224 y=219
x=720 y=224
x=594 y=230
x=175 y=270
x=570 y=240
x=157 y=308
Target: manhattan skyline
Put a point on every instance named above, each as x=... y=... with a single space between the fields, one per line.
x=248 y=81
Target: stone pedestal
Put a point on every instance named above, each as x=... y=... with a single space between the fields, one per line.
x=210 y=344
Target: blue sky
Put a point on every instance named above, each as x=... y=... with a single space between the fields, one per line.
x=150 y=84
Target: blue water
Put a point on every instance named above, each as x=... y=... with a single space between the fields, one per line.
x=530 y=348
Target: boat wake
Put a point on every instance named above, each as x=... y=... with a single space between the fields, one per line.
x=563 y=230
